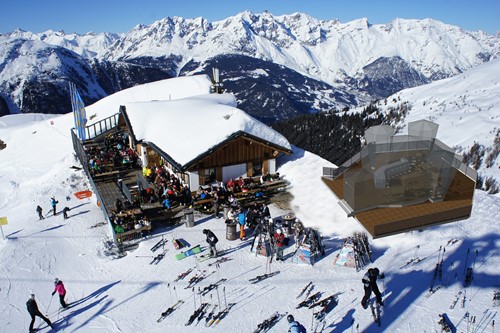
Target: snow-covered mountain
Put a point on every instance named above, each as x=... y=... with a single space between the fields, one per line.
x=351 y=62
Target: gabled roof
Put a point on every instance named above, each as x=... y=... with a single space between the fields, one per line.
x=172 y=125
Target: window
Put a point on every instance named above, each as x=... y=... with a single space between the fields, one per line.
x=257 y=168
x=209 y=175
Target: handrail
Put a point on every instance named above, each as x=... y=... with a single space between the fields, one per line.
x=102 y=126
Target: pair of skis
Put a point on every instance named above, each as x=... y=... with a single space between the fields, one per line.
x=183 y=275
x=259 y=278
x=220 y=315
x=456 y=299
x=198 y=312
x=197 y=278
x=320 y=316
x=211 y=287
x=219 y=261
x=161 y=243
x=309 y=300
x=156 y=259
x=376 y=312
x=169 y=311
x=269 y=323
x=309 y=286
x=438 y=272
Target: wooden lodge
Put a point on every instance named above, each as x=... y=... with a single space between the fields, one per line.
x=235 y=152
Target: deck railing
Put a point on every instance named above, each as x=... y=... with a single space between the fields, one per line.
x=102 y=126
x=80 y=154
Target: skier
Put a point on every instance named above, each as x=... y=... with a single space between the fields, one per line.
x=54 y=202
x=33 y=311
x=40 y=213
x=65 y=212
x=211 y=240
x=59 y=288
x=279 y=241
x=370 y=284
x=294 y=326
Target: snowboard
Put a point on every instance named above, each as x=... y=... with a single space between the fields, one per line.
x=192 y=251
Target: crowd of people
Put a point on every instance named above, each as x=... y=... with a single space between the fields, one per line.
x=115 y=154
x=165 y=187
x=127 y=216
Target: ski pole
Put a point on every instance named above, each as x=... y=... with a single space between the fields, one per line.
x=175 y=292
x=194 y=299
x=169 y=291
x=415 y=255
x=224 y=292
x=312 y=320
x=218 y=297
x=48 y=306
x=196 y=263
x=383 y=286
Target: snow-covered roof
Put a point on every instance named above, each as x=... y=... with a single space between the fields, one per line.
x=173 y=125
x=168 y=89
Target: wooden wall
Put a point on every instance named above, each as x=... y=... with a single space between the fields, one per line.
x=241 y=150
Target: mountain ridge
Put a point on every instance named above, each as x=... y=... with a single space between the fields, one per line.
x=355 y=58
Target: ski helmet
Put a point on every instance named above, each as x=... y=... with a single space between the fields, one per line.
x=32 y=296
x=278 y=231
x=375 y=272
x=290 y=318
x=205 y=231
x=56 y=280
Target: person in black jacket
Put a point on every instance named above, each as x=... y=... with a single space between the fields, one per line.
x=211 y=240
x=40 y=212
x=370 y=284
x=65 y=212
x=33 y=311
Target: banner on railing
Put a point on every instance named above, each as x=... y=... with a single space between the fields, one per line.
x=78 y=111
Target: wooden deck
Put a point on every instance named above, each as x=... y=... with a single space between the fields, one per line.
x=380 y=222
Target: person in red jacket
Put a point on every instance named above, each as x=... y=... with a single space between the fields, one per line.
x=279 y=244
x=59 y=288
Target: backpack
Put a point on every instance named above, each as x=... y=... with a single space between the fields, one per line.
x=298 y=327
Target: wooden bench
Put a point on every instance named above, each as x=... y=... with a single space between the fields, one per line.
x=105 y=175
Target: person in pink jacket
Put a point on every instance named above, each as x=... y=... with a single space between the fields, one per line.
x=59 y=288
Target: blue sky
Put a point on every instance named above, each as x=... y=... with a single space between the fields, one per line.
x=123 y=15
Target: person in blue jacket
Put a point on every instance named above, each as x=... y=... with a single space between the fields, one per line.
x=294 y=326
x=54 y=202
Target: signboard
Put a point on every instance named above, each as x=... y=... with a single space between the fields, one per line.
x=3 y=221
